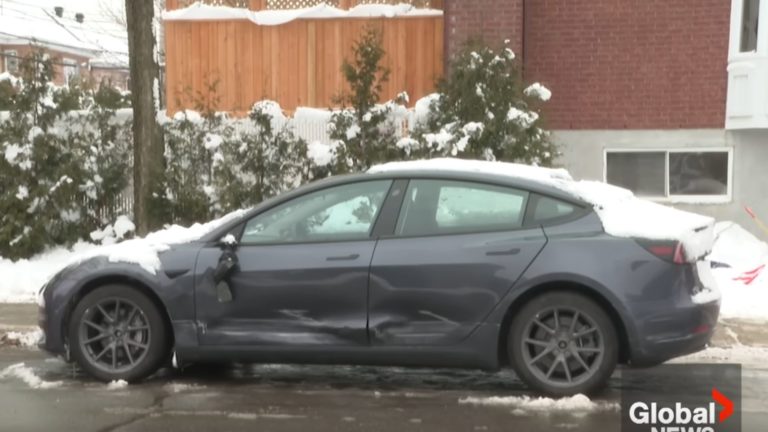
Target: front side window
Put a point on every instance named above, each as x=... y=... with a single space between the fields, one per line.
x=750 y=17
x=11 y=62
x=672 y=173
x=341 y=213
x=434 y=207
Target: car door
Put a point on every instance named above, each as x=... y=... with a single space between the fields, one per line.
x=457 y=249
x=302 y=274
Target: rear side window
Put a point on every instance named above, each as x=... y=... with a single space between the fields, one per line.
x=547 y=209
x=434 y=207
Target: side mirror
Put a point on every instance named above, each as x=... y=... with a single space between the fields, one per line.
x=228 y=242
x=227 y=265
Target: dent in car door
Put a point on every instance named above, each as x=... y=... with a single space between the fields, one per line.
x=433 y=284
x=303 y=270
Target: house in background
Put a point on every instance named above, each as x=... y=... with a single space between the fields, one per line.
x=668 y=98
x=81 y=43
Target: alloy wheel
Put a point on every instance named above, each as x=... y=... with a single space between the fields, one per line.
x=562 y=346
x=114 y=335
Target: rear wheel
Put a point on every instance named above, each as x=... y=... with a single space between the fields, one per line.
x=117 y=333
x=562 y=344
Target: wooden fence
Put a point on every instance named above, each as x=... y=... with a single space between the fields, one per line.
x=295 y=64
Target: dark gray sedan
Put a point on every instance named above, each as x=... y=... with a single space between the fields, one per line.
x=431 y=268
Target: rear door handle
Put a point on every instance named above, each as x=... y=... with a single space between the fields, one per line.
x=513 y=251
x=344 y=258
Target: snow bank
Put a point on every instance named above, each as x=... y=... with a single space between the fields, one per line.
x=21 y=280
x=27 y=339
x=117 y=385
x=575 y=405
x=203 y=12
x=27 y=374
x=744 y=282
x=622 y=214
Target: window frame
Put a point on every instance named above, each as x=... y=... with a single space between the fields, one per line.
x=682 y=199
x=392 y=234
x=8 y=55
x=530 y=220
x=69 y=65
x=742 y=23
x=239 y=230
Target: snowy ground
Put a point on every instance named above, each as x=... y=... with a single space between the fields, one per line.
x=35 y=393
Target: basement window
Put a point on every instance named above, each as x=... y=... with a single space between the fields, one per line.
x=749 y=24
x=685 y=175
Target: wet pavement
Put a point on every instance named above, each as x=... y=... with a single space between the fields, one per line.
x=291 y=398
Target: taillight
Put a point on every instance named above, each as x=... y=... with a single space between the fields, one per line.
x=671 y=251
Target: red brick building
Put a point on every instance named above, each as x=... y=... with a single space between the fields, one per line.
x=81 y=45
x=666 y=97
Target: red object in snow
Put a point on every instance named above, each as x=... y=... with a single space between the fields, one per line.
x=750 y=276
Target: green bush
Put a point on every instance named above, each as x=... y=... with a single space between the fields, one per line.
x=482 y=111
x=60 y=169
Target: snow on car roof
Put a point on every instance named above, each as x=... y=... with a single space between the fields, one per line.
x=621 y=212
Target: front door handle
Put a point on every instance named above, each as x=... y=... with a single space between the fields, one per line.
x=344 y=258
x=513 y=251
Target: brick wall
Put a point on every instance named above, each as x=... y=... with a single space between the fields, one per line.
x=617 y=64
x=494 y=20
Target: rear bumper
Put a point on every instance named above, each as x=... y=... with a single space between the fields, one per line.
x=675 y=333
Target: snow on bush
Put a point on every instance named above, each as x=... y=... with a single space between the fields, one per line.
x=216 y=163
x=113 y=233
x=538 y=91
x=575 y=405
x=65 y=154
x=480 y=112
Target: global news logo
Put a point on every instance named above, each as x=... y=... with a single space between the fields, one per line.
x=682 y=418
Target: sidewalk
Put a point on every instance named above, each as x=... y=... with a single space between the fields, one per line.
x=18 y=317
x=729 y=332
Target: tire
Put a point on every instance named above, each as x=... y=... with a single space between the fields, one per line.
x=118 y=333
x=543 y=340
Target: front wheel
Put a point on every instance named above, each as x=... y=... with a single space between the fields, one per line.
x=562 y=344
x=117 y=333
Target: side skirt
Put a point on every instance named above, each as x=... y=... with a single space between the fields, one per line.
x=479 y=351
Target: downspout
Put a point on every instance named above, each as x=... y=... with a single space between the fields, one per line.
x=522 y=39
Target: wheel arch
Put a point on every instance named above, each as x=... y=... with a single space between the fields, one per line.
x=117 y=279
x=565 y=285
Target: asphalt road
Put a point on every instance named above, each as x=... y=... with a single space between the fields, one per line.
x=301 y=398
